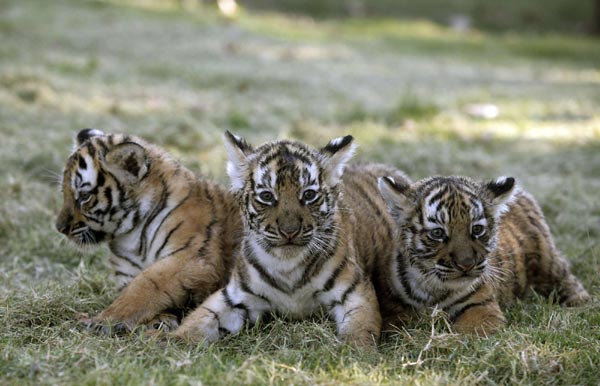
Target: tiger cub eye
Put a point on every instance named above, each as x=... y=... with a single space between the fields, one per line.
x=437 y=234
x=477 y=230
x=266 y=197
x=309 y=195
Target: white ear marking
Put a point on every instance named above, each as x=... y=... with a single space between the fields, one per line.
x=394 y=194
x=500 y=192
x=335 y=156
x=237 y=164
x=84 y=135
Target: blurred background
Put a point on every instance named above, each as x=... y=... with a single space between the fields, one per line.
x=435 y=87
x=537 y=15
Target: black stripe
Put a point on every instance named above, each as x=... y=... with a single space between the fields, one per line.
x=346 y=293
x=164 y=196
x=438 y=196
x=317 y=261
x=186 y=245
x=244 y=286
x=158 y=229
x=402 y=273
x=229 y=302
x=464 y=298
x=82 y=163
x=222 y=330
x=127 y=259
x=166 y=240
x=251 y=259
x=153 y=282
x=329 y=283
x=207 y=238
x=350 y=289
x=109 y=199
x=461 y=311
x=91 y=149
x=369 y=199
x=103 y=146
x=100 y=180
x=285 y=153
x=121 y=273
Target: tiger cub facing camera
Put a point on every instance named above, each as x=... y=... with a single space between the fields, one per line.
x=171 y=235
x=465 y=247
x=301 y=251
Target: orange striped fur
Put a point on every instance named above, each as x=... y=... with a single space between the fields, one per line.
x=311 y=240
x=171 y=234
x=468 y=247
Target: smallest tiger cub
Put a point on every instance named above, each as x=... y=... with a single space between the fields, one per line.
x=299 y=253
x=465 y=247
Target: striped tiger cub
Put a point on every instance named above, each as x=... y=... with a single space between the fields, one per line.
x=465 y=247
x=171 y=235
x=300 y=251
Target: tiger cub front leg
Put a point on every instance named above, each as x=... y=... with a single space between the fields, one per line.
x=158 y=288
x=480 y=318
x=357 y=316
x=224 y=312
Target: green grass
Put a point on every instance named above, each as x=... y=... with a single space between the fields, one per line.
x=401 y=88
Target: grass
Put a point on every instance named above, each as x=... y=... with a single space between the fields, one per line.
x=401 y=88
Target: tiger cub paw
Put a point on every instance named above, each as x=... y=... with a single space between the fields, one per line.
x=575 y=297
x=481 y=320
x=102 y=326
x=164 y=322
x=107 y=326
x=201 y=326
x=366 y=340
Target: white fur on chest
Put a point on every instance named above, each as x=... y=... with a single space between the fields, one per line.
x=295 y=298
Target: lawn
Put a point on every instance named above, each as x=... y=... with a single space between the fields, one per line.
x=404 y=89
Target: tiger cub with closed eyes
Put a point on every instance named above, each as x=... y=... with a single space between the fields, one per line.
x=466 y=247
x=171 y=234
x=301 y=251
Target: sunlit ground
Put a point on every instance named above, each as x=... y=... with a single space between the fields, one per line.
x=415 y=94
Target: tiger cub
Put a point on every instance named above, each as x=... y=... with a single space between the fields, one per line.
x=465 y=247
x=300 y=251
x=171 y=235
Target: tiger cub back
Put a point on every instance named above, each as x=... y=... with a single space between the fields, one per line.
x=301 y=251
x=171 y=235
x=466 y=247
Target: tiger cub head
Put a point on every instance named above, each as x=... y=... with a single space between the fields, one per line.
x=97 y=186
x=288 y=191
x=448 y=225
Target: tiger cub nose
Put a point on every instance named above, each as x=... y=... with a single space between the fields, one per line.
x=63 y=228
x=465 y=265
x=289 y=230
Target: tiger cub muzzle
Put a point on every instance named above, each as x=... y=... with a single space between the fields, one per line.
x=76 y=229
x=288 y=231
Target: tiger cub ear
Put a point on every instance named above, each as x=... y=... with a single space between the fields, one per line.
x=396 y=196
x=84 y=135
x=335 y=156
x=238 y=151
x=127 y=162
x=499 y=193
